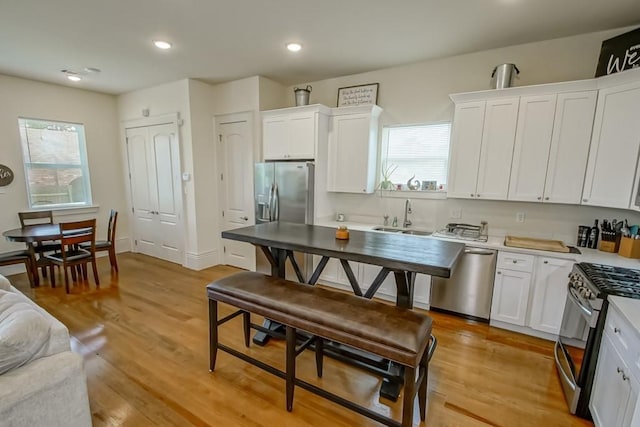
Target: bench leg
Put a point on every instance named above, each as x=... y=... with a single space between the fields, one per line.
x=319 y=355
x=409 y=396
x=291 y=365
x=422 y=387
x=213 y=333
x=246 y=323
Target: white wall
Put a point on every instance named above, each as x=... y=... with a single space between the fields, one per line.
x=98 y=113
x=419 y=93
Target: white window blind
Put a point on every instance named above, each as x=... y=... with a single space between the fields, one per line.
x=420 y=152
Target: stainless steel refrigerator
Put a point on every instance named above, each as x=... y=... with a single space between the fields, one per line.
x=284 y=192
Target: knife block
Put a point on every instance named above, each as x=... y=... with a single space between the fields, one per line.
x=629 y=248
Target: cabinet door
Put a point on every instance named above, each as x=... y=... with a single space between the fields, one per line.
x=275 y=137
x=466 y=140
x=302 y=136
x=368 y=274
x=531 y=150
x=510 y=296
x=569 y=147
x=614 y=148
x=498 y=137
x=549 y=294
x=352 y=154
x=611 y=391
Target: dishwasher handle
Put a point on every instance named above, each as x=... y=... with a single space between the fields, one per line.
x=470 y=251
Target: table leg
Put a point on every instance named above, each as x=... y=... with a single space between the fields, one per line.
x=277 y=260
x=34 y=264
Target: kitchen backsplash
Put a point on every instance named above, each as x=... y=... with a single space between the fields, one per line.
x=541 y=220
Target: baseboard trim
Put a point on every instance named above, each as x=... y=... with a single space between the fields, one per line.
x=523 y=330
x=201 y=261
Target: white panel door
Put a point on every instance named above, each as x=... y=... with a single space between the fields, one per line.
x=154 y=166
x=549 y=293
x=466 y=140
x=510 y=296
x=569 y=147
x=235 y=161
x=531 y=151
x=498 y=137
x=613 y=156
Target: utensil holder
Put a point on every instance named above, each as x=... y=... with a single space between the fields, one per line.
x=629 y=248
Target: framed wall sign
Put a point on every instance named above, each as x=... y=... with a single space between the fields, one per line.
x=6 y=175
x=358 y=95
x=619 y=53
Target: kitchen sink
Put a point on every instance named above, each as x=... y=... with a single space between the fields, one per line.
x=417 y=232
x=388 y=229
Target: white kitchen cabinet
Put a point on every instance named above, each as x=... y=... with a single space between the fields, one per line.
x=294 y=133
x=510 y=296
x=549 y=293
x=482 y=146
x=569 y=147
x=531 y=150
x=615 y=391
x=352 y=150
x=552 y=146
x=466 y=140
x=613 y=155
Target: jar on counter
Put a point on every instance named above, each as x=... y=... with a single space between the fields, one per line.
x=342 y=233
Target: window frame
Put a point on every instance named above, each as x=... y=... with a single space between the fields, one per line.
x=83 y=166
x=384 y=150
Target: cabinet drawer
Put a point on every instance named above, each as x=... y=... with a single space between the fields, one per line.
x=624 y=339
x=514 y=261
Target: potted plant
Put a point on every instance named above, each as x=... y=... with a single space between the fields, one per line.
x=387 y=171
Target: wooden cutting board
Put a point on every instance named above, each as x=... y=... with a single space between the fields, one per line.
x=539 y=244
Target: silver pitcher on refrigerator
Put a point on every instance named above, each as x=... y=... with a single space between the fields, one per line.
x=284 y=192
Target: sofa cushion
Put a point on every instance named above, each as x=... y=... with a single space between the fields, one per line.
x=7 y=299
x=24 y=336
x=4 y=283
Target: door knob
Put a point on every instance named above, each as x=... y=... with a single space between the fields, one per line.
x=246 y=218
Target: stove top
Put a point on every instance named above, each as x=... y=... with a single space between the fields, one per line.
x=610 y=280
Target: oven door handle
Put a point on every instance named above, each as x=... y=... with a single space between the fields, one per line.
x=571 y=293
x=571 y=382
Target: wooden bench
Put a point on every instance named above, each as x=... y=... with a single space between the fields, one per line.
x=400 y=335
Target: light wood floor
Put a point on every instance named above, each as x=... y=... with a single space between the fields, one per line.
x=144 y=339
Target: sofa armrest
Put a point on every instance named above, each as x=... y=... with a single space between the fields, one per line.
x=50 y=391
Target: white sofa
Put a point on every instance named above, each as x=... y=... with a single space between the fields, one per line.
x=50 y=390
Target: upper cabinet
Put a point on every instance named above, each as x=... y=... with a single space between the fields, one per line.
x=294 y=133
x=353 y=148
x=613 y=156
x=482 y=141
x=551 y=147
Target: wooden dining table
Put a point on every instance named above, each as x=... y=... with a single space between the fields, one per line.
x=32 y=234
x=401 y=255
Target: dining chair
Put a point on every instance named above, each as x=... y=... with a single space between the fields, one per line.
x=110 y=243
x=71 y=254
x=40 y=217
x=18 y=257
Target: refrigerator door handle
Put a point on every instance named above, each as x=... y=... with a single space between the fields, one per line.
x=271 y=202
x=276 y=203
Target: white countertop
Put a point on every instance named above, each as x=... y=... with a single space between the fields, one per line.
x=629 y=308
x=497 y=242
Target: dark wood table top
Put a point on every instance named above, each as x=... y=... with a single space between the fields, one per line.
x=390 y=250
x=33 y=233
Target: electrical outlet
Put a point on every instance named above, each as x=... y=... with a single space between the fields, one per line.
x=455 y=213
x=520 y=217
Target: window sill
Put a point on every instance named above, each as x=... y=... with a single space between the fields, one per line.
x=68 y=210
x=415 y=194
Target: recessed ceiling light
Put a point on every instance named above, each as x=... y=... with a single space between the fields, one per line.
x=161 y=44
x=294 y=47
x=74 y=78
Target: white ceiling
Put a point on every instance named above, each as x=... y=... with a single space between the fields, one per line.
x=218 y=41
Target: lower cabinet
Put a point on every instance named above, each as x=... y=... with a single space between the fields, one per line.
x=615 y=389
x=510 y=296
x=333 y=275
x=549 y=293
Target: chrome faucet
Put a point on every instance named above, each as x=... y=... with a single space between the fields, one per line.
x=407 y=210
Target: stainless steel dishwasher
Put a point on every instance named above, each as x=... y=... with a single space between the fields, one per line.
x=469 y=290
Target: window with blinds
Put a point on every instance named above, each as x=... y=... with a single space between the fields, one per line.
x=417 y=153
